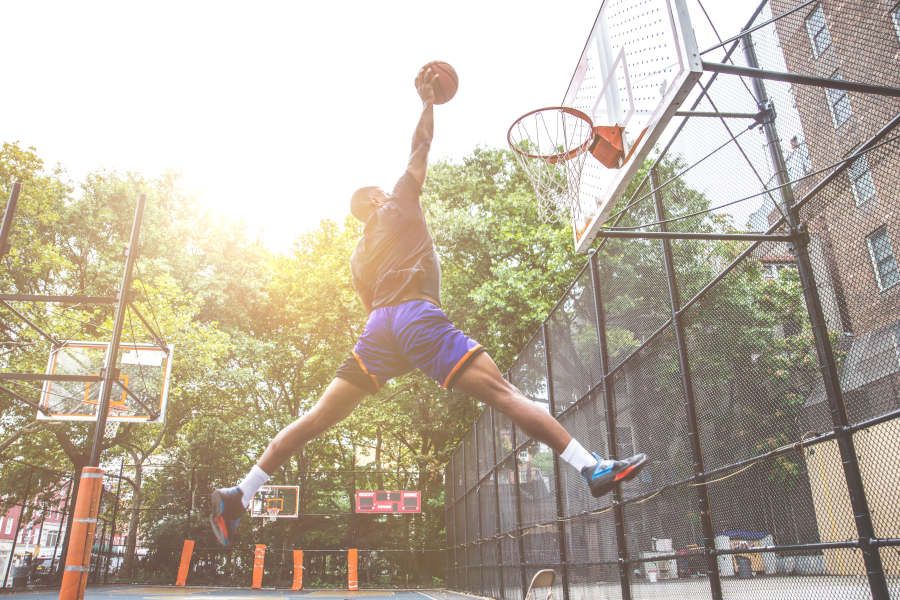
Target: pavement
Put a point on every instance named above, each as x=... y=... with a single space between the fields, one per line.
x=145 y=592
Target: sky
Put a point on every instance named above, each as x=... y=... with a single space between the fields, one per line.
x=274 y=112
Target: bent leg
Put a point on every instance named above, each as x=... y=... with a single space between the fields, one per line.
x=338 y=401
x=482 y=379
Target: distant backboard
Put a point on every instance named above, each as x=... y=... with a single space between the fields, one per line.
x=638 y=65
x=404 y=501
x=139 y=396
x=276 y=502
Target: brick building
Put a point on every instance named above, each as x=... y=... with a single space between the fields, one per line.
x=854 y=226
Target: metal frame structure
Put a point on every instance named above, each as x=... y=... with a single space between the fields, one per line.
x=109 y=375
x=797 y=237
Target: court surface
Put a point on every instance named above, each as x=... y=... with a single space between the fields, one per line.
x=145 y=592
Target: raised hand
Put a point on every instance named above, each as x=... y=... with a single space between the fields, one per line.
x=425 y=84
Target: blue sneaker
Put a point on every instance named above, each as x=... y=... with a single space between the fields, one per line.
x=227 y=510
x=607 y=473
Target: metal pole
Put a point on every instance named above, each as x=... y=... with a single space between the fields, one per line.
x=112 y=537
x=465 y=504
x=757 y=74
x=690 y=401
x=63 y=521
x=693 y=235
x=8 y=215
x=557 y=477
x=609 y=397
x=12 y=551
x=517 y=484
x=824 y=353
x=477 y=497
x=110 y=370
x=495 y=468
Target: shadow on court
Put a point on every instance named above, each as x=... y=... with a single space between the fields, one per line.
x=143 y=592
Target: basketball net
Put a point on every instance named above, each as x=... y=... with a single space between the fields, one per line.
x=273 y=507
x=550 y=145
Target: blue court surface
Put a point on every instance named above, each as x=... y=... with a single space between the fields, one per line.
x=146 y=592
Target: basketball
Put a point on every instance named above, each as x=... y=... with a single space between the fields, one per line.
x=445 y=83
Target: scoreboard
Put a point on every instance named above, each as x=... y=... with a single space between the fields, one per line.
x=405 y=501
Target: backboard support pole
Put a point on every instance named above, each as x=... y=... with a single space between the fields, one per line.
x=110 y=370
x=797 y=78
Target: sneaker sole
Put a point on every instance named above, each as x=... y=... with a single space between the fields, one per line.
x=629 y=473
x=626 y=475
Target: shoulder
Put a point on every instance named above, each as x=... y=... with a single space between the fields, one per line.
x=407 y=188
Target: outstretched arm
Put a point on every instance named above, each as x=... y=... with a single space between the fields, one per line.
x=421 y=144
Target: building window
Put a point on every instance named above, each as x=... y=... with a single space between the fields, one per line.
x=883 y=260
x=861 y=180
x=838 y=103
x=895 y=15
x=817 y=29
x=9 y=524
x=51 y=538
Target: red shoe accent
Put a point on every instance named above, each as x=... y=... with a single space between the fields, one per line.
x=221 y=523
x=624 y=473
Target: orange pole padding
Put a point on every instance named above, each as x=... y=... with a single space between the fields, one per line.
x=186 y=551
x=259 y=560
x=81 y=540
x=298 y=571
x=352 y=572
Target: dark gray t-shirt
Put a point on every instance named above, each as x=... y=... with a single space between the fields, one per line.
x=395 y=257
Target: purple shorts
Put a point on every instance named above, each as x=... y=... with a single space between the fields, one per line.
x=413 y=335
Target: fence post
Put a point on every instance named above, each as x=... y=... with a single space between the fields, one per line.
x=609 y=397
x=477 y=497
x=516 y=485
x=115 y=514
x=465 y=504
x=690 y=401
x=557 y=478
x=830 y=378
x=495 y=468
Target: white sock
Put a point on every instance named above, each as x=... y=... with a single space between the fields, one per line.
x=577 y=456
x=251 y=483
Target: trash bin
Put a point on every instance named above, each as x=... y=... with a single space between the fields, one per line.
x=744 y=570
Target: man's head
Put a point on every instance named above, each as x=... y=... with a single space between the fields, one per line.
x=365 y=201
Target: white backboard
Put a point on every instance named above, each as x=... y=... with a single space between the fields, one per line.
x=144 y=373
x=639 y=64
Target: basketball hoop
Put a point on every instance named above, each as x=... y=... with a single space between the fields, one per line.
x=551 y=145
x=273 y=507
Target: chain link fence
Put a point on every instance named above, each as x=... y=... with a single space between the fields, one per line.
x=762 y=377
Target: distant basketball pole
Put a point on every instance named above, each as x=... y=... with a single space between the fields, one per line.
x=8 y=215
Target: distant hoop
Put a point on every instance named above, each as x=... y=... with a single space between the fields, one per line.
x=274 y=507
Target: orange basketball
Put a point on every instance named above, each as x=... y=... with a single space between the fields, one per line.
x=446 y=82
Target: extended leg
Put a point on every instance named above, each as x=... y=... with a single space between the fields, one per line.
x=229 y=504
x=483 y=380
x=338 y=401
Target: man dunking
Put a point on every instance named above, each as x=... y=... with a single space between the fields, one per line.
x=397 y=274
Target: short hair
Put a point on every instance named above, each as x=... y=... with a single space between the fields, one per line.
x=359 y=203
